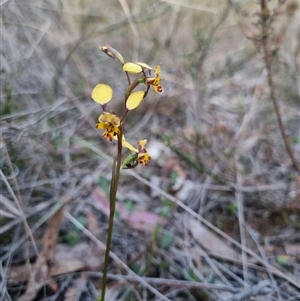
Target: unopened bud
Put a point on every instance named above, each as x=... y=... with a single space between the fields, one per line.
x=113 y=53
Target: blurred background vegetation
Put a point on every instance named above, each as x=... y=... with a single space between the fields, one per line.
x=217 y=208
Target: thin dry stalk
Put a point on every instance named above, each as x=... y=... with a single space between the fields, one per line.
x=114 y=257
x=252 y=291
x=268 y=62
x=213 y=30
x=274 y=270
x=168 y=282
x=263 y=255
x=240 y=205
x=18 y=199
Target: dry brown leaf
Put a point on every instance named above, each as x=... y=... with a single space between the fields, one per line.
x=289 y=250
x=92 y=222
x=84 y=255
x=173 y=165
x=139 y=220
x=67 y=259
x=293 y=250
x=70 y=294
x=210 y=241
x=64 y=265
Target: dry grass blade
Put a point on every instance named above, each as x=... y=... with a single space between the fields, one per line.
x=262 y=287
x=190 y=5
x=40 y=273
x=18 y=202
x=289 y=278
x=240 y=204
x=114 y=257
x=9 y=205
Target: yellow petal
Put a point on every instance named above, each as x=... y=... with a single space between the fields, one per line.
x=157 y=70
x=158 y=89
x=129 y=146
x=142 y=143
x=143 y=158
x=111 y=118
x=144 y=65
x=102 y=94
x=156 y=81
x=132 y=68
x=134 y=100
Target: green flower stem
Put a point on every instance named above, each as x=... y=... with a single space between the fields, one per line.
x=112 y=206
x=133 y=86
x=146 y=92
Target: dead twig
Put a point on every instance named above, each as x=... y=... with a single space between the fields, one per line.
x=260 y=288
x=167 y=282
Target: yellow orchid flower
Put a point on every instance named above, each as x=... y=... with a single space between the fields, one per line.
x=143 y=156
x=152 y=76
x=155 y=80
x=110 y=123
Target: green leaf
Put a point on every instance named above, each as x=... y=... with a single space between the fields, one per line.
x=104 y=184
x=191 y=276
x=118 y=215
x=72 y=238
x=232 y=207
x=130 y=206
x=166 y=240
x=164 y=265
x=82 y=220
x=282 y=259
x=136 y=267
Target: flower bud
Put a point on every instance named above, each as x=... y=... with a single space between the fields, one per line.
x=113 y=53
